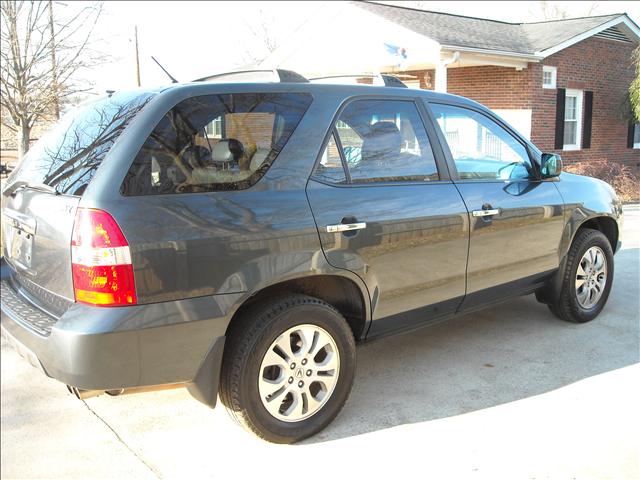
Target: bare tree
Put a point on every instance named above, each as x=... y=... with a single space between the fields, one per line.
x=262 y=31
x=557 y=11
x=634 y=88
x=40 y=59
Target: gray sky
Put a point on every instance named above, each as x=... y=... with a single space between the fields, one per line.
x=193 y=39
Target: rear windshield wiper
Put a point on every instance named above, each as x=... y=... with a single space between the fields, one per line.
x=22 y=184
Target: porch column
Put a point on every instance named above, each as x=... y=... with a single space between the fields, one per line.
x=441 y=77
x=441 y=71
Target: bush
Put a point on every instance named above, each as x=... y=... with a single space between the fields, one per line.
x=620 y=177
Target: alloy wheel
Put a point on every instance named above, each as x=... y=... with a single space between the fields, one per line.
x=591 y=277
x=298 y=373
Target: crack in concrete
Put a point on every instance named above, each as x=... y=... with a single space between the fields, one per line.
x=138 y=457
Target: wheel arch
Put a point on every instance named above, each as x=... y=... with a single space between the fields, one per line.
x=343 y=293
x=604 y=224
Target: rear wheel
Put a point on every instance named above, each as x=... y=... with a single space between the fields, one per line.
x=288 y=368
x=587 y=279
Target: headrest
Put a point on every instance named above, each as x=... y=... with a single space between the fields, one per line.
x=196 y=156
x=229 y=150
x=383 y=141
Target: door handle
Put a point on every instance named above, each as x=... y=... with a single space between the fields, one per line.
x=346 y=227
x=486 y=213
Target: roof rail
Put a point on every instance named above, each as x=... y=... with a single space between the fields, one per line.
x=382 y=79
x=259 y=75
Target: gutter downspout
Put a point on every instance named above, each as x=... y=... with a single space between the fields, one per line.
x=441 y=72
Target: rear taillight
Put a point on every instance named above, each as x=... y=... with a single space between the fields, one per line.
x=101 y=261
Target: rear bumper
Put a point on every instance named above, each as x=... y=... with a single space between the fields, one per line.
x=95 y=348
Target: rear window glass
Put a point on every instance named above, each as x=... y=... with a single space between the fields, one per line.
x=67 y=157
x=215 y=142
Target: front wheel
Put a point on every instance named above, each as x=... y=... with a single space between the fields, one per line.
x=587 y=280
x=288 y=368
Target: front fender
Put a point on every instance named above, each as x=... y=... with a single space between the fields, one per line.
x=586 y=198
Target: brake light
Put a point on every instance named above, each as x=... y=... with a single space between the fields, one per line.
x=101 y=261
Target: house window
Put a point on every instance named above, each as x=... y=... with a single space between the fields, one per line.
x=549 y=77
x=636 y=135
x=214 y=128
x=572 y=117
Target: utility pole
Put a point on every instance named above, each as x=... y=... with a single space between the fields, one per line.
x=137 y=57
x=54 y=67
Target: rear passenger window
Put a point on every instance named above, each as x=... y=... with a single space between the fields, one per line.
x=384 y=141
x=330 y=167
x=215 y=142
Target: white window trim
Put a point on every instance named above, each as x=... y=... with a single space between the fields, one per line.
x=578 y=94
x=636 y=145
x=554 y=75
x=212 y=131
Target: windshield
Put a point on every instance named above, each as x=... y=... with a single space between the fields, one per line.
x=67 y=157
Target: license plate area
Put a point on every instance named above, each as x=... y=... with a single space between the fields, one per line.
x=19 y=247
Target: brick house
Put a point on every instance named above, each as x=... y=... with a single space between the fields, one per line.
x=563 y=84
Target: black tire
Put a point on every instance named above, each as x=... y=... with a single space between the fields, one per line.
x=566 y=306
x=250 y=337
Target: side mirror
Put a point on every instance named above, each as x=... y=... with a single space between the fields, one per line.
x=550 y=165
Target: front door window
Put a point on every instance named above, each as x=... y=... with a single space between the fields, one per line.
x=481 y=149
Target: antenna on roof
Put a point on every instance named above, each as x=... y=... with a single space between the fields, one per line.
x=173 y=80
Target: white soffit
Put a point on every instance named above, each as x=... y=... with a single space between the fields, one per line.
x=345 y=39
x=476 y=59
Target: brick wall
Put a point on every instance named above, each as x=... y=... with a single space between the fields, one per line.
x=251 y=129
x=495 y=87
x=606 y=68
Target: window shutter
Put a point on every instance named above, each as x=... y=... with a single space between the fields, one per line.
x=560 y=98
x=586 y=126
x=630 y=134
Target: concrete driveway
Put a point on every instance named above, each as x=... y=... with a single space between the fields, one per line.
x=510 y=392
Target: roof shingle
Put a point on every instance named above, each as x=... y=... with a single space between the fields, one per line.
x=460 y=31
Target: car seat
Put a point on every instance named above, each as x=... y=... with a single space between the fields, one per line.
x=195 y=156
x=227 y=153
x=382 y=144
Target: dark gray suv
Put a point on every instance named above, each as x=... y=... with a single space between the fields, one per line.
x=240 y=238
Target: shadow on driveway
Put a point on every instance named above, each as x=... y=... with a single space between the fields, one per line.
x=503 y=354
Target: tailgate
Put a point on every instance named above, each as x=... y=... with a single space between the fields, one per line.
x=42 y=195
x=36 y=229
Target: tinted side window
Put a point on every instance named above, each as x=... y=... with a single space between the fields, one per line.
x=385 y=141
x=215 y=142
x=481 y=149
